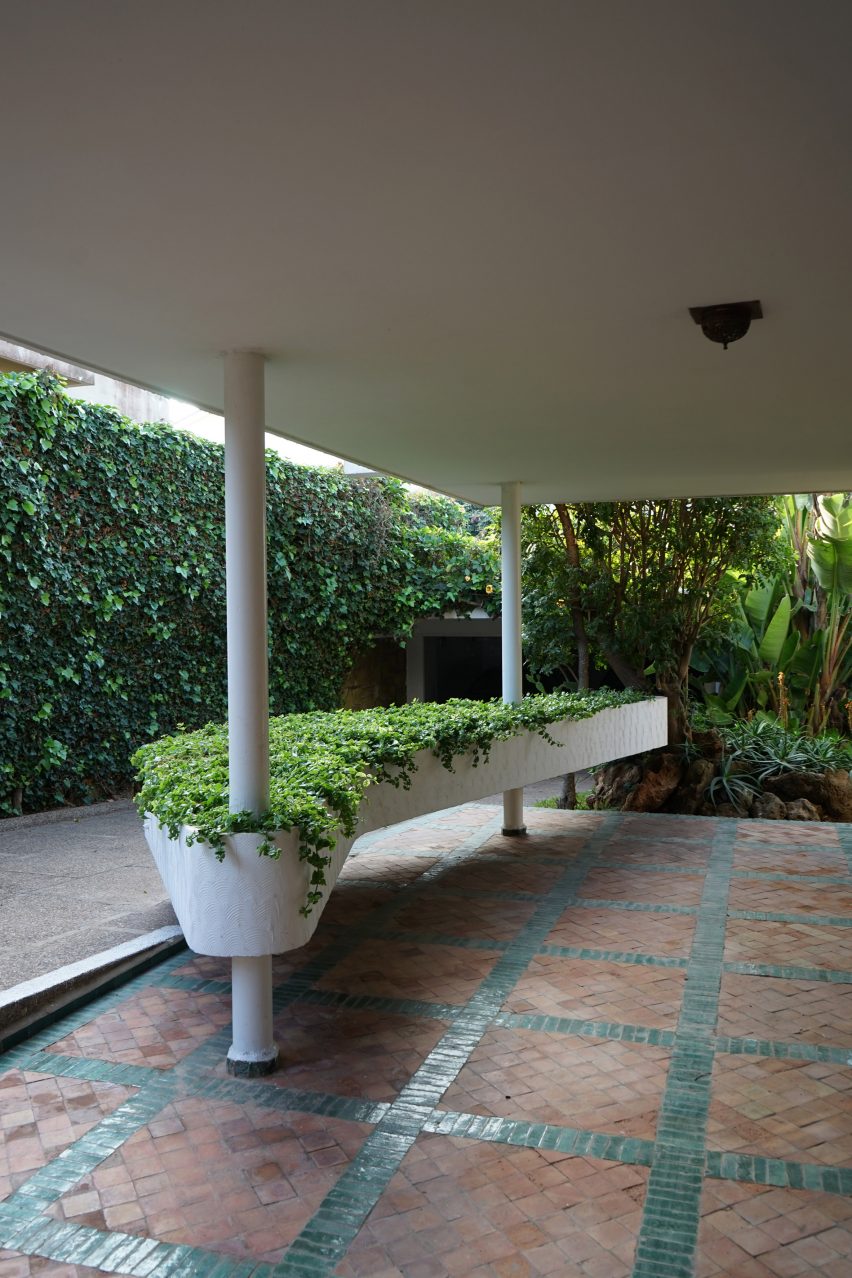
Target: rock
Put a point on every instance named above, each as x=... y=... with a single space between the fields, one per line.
x=830 y=791
x=802 y=810
x=709 y=744
x=689 y=795
x=613 y=784
x=768 y=807
x=662 y=777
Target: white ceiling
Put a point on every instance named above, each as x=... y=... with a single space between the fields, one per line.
x=466 y=232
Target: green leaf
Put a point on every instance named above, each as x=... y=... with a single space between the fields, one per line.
x=776 y=633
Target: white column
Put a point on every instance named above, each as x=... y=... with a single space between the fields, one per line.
x=253 y=1050
x=513 y=800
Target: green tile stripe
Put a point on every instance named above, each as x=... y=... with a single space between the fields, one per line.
x=772 y=876
x=613 y=956
x=115 y=1252
x=567 y=1140
x=327 y=1236
x=669 y=1230
x=790 y=973
x=268 y=1095
x=586 y=1029
x=811 y=920
x=755 y=1170
x=784 y=1051
x=193 y=984
x=93 y=1071
x=642 y=907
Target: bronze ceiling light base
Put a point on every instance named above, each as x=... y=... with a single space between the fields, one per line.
x=727 y=322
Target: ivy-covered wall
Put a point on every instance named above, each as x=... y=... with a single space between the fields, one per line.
x=112 y=588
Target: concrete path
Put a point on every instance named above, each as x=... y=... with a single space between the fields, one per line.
x=74 y=883
x=618 y=1048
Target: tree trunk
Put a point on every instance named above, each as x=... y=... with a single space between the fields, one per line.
x=568 y=797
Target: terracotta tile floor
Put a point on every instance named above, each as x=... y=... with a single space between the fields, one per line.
x=787 y=1011
x=793 y=1109
x=802 y=834
x=594 y=990
x=801 y=944
x=382 y=1050
x=484 y=920
x=791 y=898
x=798 y=859
x=573 y=1117
x=764 y=1232
x=41 y=1115
x=408 y=969
x=645 y=886
x=594 y=1084
x=233 y=1178
x=468 y=1208
x=157 y=1028
x=602 y=929
x=685 y=853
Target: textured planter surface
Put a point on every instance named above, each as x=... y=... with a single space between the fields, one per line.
x=249 y=905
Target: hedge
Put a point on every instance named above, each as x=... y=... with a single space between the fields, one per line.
x=112 y=591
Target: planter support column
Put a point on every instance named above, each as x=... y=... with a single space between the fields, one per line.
x=513 y=690
x=253 y=1050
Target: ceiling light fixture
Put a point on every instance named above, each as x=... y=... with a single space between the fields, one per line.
x=728 y=322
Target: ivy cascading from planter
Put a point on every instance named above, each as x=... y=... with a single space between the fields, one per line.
x=243 y=887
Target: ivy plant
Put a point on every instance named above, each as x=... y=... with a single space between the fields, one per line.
x=321 y=765
x=112 y=586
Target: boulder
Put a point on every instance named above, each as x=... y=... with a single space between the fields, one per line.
x=802 y=810
x=689 y=795
x=614 y=782
x=768 y=807
x=661 y=779
x=830 y=791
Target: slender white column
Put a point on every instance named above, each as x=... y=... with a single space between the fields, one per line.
x=513 y=690
x=253 y=1050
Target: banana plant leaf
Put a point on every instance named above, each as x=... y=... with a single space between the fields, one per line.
x=831 y=561
x=776 y=633
x=758 y=604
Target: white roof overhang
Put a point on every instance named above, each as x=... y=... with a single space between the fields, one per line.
x=465 y=234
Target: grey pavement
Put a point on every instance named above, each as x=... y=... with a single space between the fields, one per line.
x=73 y=884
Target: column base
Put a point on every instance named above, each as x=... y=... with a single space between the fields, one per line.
x=256 y=1068
x=514 y=834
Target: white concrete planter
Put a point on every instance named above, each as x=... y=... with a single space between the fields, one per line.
x=249 y=905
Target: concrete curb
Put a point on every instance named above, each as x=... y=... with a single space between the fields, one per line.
x=64 y=814
x=31 y=1005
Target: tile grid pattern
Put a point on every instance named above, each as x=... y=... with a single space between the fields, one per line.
x=326 y=1239
x=667 y=1242
x=671 y=1209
